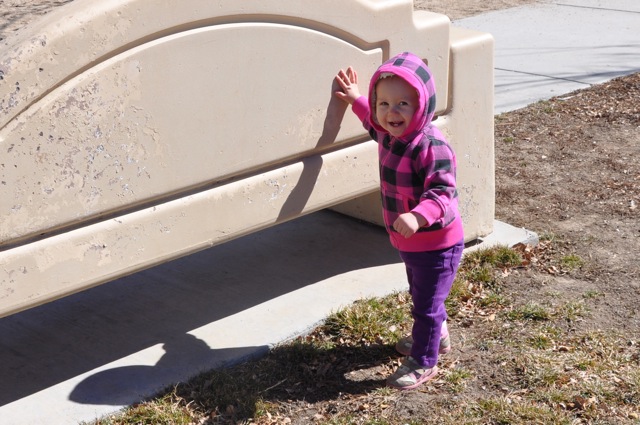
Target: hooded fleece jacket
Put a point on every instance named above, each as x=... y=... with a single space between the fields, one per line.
x=417 y=169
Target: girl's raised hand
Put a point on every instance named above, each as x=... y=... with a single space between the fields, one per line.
x=347 y=85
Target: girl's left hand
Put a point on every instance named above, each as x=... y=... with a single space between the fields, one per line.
x=407 y=224
x=345 y=85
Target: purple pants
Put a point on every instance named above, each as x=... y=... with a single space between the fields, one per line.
x=431 y=275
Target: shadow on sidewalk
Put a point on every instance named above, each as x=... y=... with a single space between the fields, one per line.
x=50 y=344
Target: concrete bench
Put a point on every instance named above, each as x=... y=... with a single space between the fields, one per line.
x=135 y=132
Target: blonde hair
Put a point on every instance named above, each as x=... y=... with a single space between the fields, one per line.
x=384 y=75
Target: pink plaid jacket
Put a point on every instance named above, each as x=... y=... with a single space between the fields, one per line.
x=418 y=169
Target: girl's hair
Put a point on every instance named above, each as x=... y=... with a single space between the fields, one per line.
x=386 y=75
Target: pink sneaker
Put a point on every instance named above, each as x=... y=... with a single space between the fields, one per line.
x=410 y=375
x=404 y=344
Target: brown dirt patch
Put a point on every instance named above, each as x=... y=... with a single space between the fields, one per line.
x=16 y=14
x=458 y=9
x=570 y=168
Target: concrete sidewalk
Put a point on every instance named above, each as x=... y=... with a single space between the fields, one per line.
x=556 y=47
x=90 y=354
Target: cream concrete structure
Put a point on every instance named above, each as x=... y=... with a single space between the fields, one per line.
x=133 y=132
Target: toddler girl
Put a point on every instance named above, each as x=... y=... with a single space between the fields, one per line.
x=419 y=199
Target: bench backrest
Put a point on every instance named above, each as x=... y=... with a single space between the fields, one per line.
x=133 y=132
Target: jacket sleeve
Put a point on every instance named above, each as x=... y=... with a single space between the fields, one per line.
x=362 y=110
x=436 y=167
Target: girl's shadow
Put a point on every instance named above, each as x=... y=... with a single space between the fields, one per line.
x=296 y=371
x=128 y=384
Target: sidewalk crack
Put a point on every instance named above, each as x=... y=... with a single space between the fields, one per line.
x=596 y=8
x=543 y=75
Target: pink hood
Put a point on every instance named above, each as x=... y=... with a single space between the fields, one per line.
x=414 y=71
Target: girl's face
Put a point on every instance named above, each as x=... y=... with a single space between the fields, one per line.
x=396 y=102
